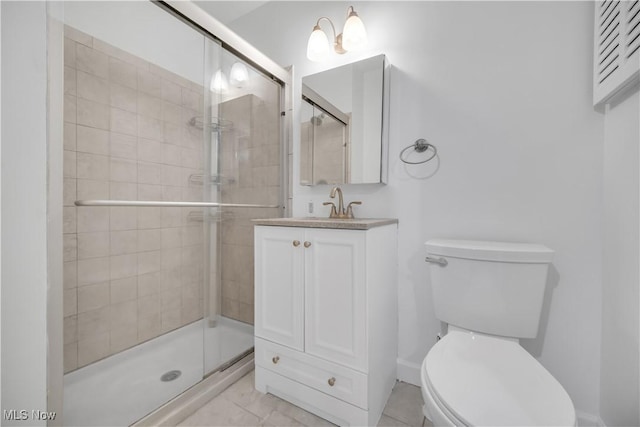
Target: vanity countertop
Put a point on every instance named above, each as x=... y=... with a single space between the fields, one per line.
x=314 y=222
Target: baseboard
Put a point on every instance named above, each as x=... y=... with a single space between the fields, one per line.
x=409 y=372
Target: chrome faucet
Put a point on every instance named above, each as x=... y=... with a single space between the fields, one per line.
x=340 y=212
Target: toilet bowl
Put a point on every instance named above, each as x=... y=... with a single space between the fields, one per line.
x=490 y=295
x=471 y=379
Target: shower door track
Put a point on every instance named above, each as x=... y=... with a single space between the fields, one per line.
x=162 y=204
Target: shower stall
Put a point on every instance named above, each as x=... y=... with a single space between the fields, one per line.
x=174 y=140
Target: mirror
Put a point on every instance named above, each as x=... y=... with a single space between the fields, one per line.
x=343 y=123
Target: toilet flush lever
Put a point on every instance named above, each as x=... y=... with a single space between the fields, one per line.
x=440 y=261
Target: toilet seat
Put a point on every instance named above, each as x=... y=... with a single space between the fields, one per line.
x=481 y=380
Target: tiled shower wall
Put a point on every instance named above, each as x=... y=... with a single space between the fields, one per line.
x=130 y=274
x=250 y=170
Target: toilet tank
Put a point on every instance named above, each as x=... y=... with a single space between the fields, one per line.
x=491 y=287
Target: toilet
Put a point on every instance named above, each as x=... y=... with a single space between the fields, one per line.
x=490 y=295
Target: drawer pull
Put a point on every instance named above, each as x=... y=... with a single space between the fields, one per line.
x=331 y=381
x=296 y=243
x=275 y=359
x=307 y=244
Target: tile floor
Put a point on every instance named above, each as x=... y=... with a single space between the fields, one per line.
x=242 y=405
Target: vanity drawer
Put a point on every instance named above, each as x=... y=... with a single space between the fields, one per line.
x=334 y=380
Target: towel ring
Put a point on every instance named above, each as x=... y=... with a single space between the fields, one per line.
x=420 y=146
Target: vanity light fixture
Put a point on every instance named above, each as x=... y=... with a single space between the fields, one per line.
x=352 y=38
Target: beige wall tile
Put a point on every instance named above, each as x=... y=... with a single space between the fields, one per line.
x=93 y=245
x=92 y=140
x=70 y=274
x=191 y=158
x=124 y=290
x=172 y=280
x=149 y=284
x=171 y=92
x=93 y=322
x=173 y=132
x=123 y=170
x=92 y=219
x=191 y=99
x=93 y=270
x=192 y=310
x=92 y=114
x=69 y=191
x=149 y=327
x=124 y=242
x=171 y=318
x=70 y=326
x=172 y=193
x=170 y=300
x=124 y=191
x=92 y=166
x=93 y=349
x=150 y=128
x=116 y=53
x=93 y=297
x=69 y=52
x=149 y=240
x=149 y=218
x=70 y=247
x=123 y=218
x=69 y=136
x=149 y=306
x=124 y=314
x=149 y=106
x=192 y=235
x=69 y=164
x=123 y=266
x=171 y=175
x=123 y=97
x=149 y=83
x=88 y=189
x=149 y=192
x=123 y=338
x=149 y=262
x=171 y=258
x=70 y=357
x=150 y=151
x=70 y=81
x=70 y=302
x=149 y=173
x=70 y=108
x=171 y=237
x=123 y=121
x=124 y=146
x=171 y=217
x=92 y=61
x=171 y=154
x=78 y=36
x=68 y=219
x=172 y=113
x=123 y=74
x=92 y=87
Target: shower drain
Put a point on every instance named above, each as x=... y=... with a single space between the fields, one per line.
x=170 y=376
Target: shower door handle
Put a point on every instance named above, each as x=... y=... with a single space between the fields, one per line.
x=440 y=261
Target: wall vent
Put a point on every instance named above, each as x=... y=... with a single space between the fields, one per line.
x=616 y=49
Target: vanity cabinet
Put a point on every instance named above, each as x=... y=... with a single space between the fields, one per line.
x=326 y=318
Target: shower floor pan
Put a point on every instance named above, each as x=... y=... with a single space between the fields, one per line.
x=125 y=387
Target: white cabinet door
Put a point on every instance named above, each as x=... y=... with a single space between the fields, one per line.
x=335 y=296
x=279 y=288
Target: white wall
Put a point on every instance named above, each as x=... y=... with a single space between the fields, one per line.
x=620 y=346
x=504 y=91
x=24 y=208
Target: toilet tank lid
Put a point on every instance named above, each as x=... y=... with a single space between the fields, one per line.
x=490 y=251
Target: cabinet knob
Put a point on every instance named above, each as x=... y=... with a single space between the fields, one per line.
x=275 y=359
x=296 y=243
x=307 y=244
x=331 y=381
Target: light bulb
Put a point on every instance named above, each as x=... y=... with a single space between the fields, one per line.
x=318 y=46
x=238 y=74
x=219 y=83
x=354 y=36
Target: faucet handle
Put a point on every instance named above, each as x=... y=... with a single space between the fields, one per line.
x=350 y=209
x=334 y=212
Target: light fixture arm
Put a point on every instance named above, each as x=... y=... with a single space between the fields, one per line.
x=337 y=38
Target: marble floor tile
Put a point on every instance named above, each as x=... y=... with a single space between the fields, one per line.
x=405 y=404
